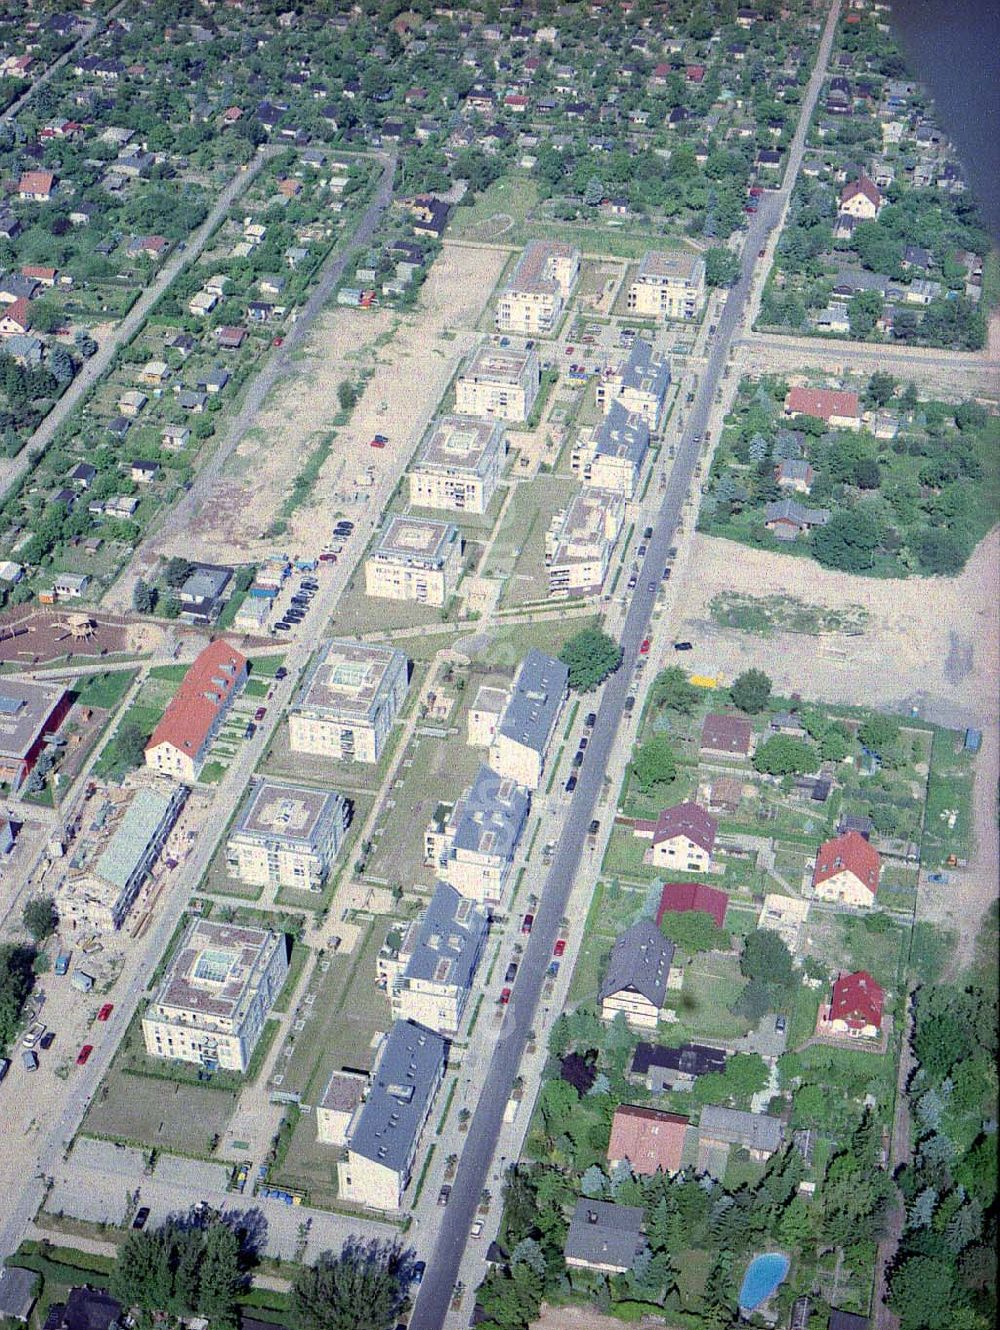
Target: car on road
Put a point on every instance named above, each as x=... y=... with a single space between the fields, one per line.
x=527 y=922
x=571 y=785
x=511 y=973
x=590 y=720
x=651 y=587
x=260 y=713
x=443 y=1194
x=419 y=1267
x=632 y=581
x=476 y=1231
x=281 y=672
x=504 y=996
x=84 y=1054
x=560 y=946
x=105 y=1013
x=683 y=646
x=761 y=253
x=553 y=969
x=644 y=647
x=47 y=1039
x=141 y=1216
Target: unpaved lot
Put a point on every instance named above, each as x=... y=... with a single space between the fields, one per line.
x=411 y=358
x=928 y=642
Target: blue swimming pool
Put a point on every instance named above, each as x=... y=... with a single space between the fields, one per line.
x=764 y=1274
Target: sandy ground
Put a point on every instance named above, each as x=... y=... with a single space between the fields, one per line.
x=584 y=1318
x=930 y=643
x=412 y=360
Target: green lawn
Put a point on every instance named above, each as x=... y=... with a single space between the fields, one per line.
x=511 y=197
x=103 y=690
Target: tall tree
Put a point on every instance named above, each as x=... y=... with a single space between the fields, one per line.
x=40 y=917
x=364 y=1288
x=220 y=1277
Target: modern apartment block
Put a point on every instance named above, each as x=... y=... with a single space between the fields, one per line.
x=286 y=835
x=485 y=716
x=459 y=465
x=612 y=456
x=640 y=385
x=580 y=541
x=668 y=286
x=348 y=701
x=211 y=1004
x=541 y=283
x=383 y=1137
x=442 y=955
x=415 y=559
x=500 y=382
x=472 y=844
x=523 y=738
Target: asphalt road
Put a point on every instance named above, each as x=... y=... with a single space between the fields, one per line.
x=436 y=1290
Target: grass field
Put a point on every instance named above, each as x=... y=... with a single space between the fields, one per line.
x=103 y=690
x=157 y=1113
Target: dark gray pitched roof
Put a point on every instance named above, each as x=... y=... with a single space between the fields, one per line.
x=640 y=960
x=605 y=1234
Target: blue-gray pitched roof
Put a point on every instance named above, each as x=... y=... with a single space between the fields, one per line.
x=450 y=939
x=640 y=960
x=538 y=694
x=622 y=434
x=602 y=1233
x=493 y=815
x=645 y=371
x=398 y=1101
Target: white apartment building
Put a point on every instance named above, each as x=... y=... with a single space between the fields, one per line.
x=459 y=464
x=415 y=559
x=640 y=385
x=580 y=541
x=668 y=286
x=530 y=717
x=611 y=456
x=348 y=700
x=211 y=1004
x=485 y=715
x=543 y=280
x=472 y=843
x=443 y=952
x=286 y=835
x=501 y=382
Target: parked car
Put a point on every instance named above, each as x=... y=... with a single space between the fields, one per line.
x=560 y=946
x=444 y=1194
x=571 y=785
x=281 y=672
x=590 y=720
x=651 y=587
x=141 y=1216
x=84 y=1054
x=629 y=704
x=4 y=1067
x=527 y=922
x=260 y=713
x=644 y=647
x=105 y=1013
x=476 y=1231
x=578 y=758
x=683 y=646
x=632 y=581
x=47 y=1039
x=327 y=557
x=277 y=341
x=648 y=533
x=666 y=574
x=376 y=444
x=30 y=1059
x=504 y=996
x=511 y=973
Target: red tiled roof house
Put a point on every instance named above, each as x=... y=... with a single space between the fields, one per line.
x=180 y=743
x=861 y=198
x=847 y=870
x=683 y=838
x=856 y=1006
x=36 y=186
x=683 y=897
x=725 y=733
x=15 y=318
x=840 y=410
x=648 y=1140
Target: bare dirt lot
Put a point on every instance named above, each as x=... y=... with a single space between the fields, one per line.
x=411 y=358
x=930 y=643
x=36 y=637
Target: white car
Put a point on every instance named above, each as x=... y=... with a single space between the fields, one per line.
x=476 y=1231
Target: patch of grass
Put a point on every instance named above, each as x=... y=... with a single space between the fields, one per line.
x=296 y=963
x=785 y=614
x=103 y=690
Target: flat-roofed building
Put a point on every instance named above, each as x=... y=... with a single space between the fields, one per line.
x=434 y=985
x=485 y=715
x=541 y=283
x=29 y=714
x=473 y=846
x=286 y=835
x=337 y=1106
x=384 y=1135
x=347 y=702
x=100 y=894
x=523 y=738
x=611 y=456
x=668 y=286
x=212 y=1003
x=179 y=745
x=459 y=464
x=416 y=559
x=500 y=382
x=640 y=384
x=580 y=541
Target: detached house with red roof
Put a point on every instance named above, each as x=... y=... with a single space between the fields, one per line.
x=648 y=1140
x=847 y=871
x=36 y=186
x=855 y=1007
x=180 y=743
x=15 y=319
x=861 y=198
x=683 y=838
x=684 y=897
x=840 y=410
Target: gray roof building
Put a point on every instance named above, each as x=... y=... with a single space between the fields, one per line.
x=491 y=817
x=734 y=1126
x=604 y=1236
x=18 y=1289
x=449 y=940
x=622 y=434
x=534 y=704
x=640 y=960
x=646 y=372
x=403 y=1085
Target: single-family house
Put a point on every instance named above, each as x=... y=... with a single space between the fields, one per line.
x=725 y=733
x=15 y=318
x=757 y=1133
x=647 y=1139
x=847 y=870
x=683 y=838
x=36 y=186
x=132 y=402
x=635 y=981
x=795 y=473
x=685 y=897
x=838 y=409
x=861 y=198
x=788 y=519
x=661 y=1069
x=144 y=473
x=230 y=338
x=855 y=1007
x=604 y=1237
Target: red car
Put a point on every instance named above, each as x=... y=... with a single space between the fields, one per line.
x=327 y=557
x=105 y=1012
x=278 y=341
x=560 y=947
x=376 y=443
x=570 y=350
x=260 y=713
x=527 y=922
x=84 y=1054
x=755 y=191
x=505 y=997
x=644 y=649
